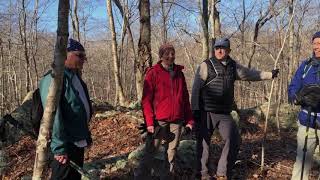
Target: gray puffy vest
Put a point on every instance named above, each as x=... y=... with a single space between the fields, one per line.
x=217 y=95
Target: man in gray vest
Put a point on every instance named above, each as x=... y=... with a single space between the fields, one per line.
x=211 y=103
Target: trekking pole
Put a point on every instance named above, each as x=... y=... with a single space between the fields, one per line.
x=80 y=170
x=305 y=141
x=317 y=137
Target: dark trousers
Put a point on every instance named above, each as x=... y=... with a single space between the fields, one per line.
x=229 y=133
x=65 y=171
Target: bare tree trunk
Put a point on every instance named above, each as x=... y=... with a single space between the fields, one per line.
x=164 y=23
x=23 y=37
x=291 y=40
x=242 y=30
x=53 y=97
x=93 y=88
x=34 y=45
x=119 y=88
x=270 y=96
x=279 y=103
x=144 y=45
x=215 y=22
x=258 y=25
x=19 y=90
x=124 y=13
x=203 y=6
x=75 y=21
x=188 y=54
x=2 y=80
x=165 y=14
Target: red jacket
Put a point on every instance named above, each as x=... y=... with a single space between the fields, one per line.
x=165 y=98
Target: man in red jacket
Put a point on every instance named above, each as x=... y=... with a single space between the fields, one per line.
x=166 y=108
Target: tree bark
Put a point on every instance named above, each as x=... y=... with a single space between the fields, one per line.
x=291 y=40
x=23 y=38
x=53 y=97
x=2 y=79
x=144 y=46
x=164 y=18
x=215 y=23
x=119 y=88
x=75 y=21
x=258 y=25
x=124 y=14
x=34 y=46
x=215 y=20
x=203 y=5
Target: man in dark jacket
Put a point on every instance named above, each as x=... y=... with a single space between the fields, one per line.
x=211 y=103
x=70 y=128
x=307 y=73
x=166 y=108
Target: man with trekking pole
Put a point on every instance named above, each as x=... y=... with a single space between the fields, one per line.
x=211 y=102
x=304 y=90
x=70 y=133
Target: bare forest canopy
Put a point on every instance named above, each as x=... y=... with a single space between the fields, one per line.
x=256 y=28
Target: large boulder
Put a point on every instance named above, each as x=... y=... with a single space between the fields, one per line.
x=185 y=157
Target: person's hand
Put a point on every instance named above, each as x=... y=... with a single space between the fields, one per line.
x=309 y=101
x=142 y=128
x=150 y=129
x=188 y=129
x=275 y=73
x=61 y=158
x=189 y=126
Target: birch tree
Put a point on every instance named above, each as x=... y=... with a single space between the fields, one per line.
x=119 y=89
x=53 y=97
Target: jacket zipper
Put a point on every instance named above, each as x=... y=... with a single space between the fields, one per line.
x=172 y=98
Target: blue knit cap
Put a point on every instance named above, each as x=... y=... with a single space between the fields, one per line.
x=222 y=42
x=74 y=45
x=316 y=35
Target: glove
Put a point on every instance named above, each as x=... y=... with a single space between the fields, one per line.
x=275 y=73
x=142 y=128
x=309 y=101
x=196 y=115
x=186 y=131
x=308 y=96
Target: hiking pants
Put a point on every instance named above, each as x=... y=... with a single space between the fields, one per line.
x=170 y=133
x=65 y=171
x=229 y=133
x=311 y=146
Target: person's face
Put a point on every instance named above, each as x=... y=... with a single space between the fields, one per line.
x=78 y=58
x=168 y=57
x=221 y=53
x=316 y=47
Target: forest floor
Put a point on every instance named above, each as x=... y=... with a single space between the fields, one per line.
x=118 y=135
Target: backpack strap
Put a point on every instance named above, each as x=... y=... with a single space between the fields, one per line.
x=307 y=68
x=210 y=78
